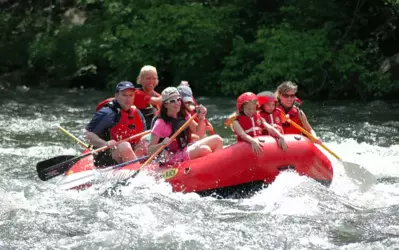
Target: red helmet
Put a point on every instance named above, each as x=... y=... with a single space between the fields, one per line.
x=265 y=97
x=297 y=102
x=246 y=97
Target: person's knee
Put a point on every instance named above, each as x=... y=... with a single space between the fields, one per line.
x=141 y=149
x=124 y=150
x=205 y=150
x=124 y=146
x=216 y=142
x=218 y=139
x=199 y=151
x=195 y=137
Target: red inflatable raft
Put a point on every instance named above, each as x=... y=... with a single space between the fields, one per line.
x=234 y=166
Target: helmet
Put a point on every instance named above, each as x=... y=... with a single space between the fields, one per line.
x=246 y=97
x=297 y=102
x=265 y=97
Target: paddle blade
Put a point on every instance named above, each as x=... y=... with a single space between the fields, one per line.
x=87 y=177
x=230 y=119
x=360 y=175
x=53 y=167
x=77 y=179
x=40 y=166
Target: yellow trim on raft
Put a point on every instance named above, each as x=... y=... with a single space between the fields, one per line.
x=170 y=173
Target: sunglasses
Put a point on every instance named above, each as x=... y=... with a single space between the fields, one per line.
x=288 y=96
x=173 y=101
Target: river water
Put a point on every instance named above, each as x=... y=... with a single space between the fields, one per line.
x=293 y=213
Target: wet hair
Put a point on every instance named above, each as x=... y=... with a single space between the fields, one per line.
x=284 y=87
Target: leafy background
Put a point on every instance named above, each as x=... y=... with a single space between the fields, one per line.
x=334 y=49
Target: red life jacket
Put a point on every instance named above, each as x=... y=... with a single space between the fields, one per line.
x=253 y=126
x=273 y=119
x=127 y=124
x=293 y=114
x=141 y=101
x=104 y=103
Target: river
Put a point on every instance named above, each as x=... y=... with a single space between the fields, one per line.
x=293 y=213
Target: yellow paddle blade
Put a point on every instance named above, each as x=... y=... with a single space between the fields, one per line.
x=230 y=119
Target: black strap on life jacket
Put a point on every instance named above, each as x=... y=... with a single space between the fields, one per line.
x=116 y=108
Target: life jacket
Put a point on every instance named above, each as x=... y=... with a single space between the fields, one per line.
x=293 y=114
x=104 y=103
x=273 y=119
x=126 y=124
x=184 y=138
x=149 y=111
x=253 y=126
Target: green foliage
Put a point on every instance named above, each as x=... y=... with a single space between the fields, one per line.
x=331 y=48
x=283 y=53
x=176 y=39
x=306 y=57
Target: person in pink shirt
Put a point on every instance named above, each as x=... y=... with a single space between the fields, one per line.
x=172 y=116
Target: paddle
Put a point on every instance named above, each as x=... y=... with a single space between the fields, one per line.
x=159 y=150
x=74 y=137
x=85 y=177
x=58 y=165
x=62 y=158
x=230 y=119
x=358 y=174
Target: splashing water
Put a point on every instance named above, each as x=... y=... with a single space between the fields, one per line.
x=294 y=212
